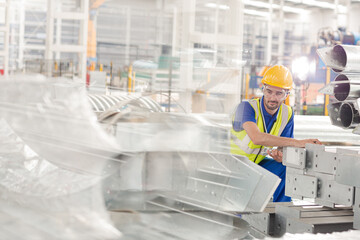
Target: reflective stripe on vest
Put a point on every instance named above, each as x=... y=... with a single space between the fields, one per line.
x=241 y=143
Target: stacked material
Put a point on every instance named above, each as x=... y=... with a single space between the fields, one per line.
x=330 y=178
x=329 y=175
x=345 y=88
x=61 y=173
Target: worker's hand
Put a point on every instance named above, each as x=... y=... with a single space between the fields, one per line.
x=276 y=154
x=311 y=141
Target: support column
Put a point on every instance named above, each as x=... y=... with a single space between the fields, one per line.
x=175 y=28
x=49 y=37
x=254 y=41
x=56 y=14
x=237 y=29
x=269 y=34
x=58 y=37
x=159 y=24
x=83 y=38
x=21 y=35
x=281 y=34
x=348 y=7
x=5 y=30
x=128 y=36
x=336 y=13
x=216 y=27
x=186 y=55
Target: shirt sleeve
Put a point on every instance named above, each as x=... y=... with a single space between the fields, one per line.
x=289 y=128
x=244 y=113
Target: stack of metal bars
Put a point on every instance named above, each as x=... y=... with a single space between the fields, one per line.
x=345 y=60
x=330 y=178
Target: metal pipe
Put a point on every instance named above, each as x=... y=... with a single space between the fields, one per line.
x=341 y=58
x=347 y=88
x=334 y=114
x=349 y=116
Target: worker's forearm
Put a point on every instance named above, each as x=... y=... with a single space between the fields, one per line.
x=266 y=139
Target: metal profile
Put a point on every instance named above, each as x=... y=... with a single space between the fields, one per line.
x=341 y=58
x=349 y=116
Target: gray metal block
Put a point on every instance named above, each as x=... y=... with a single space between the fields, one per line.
x=263 y=222
x=321 y=198
x=256 y=234
x=281 y=216
x=301 y=185
x=318 y=160
x=325 y=162
x=312 y=211
x=310 y=154
x=289 y=186
x=280 y=225
x=294 y=157
x=357 y=219
x=348 y=170
x=306 y=211
x=319 y=224
x=338 y=193
x=299 y=219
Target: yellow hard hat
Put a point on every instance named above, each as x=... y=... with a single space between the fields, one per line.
x=278 y=76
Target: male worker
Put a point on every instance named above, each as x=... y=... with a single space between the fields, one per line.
x=267 y=122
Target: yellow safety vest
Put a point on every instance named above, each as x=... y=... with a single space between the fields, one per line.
x=241 y=143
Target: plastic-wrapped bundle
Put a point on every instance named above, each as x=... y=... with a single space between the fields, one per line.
x=59 y=167
x=52 y=164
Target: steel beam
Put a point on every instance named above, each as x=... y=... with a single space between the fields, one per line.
x=312 y=219
x=341 y=58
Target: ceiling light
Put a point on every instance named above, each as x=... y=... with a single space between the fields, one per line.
x=295 y=10
x=256 y=13
x=274 y=6
x=220 y=6
x=320 y=4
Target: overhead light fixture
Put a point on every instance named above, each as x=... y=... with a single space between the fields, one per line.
x=219 y=6
x=256 y=13
x=320 y=4
x=274 y=6
x=295 y=10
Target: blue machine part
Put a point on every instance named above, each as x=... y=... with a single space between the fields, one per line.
x=351 y=38
x=356 y=38
x=254 y=82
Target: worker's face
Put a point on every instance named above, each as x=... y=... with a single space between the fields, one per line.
x=274 y=96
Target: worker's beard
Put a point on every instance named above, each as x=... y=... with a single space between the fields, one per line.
x=272 y=105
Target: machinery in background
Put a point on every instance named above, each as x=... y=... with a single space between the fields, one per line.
x=310 y=72
x=328 y=37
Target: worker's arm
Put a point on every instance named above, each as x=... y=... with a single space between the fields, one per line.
x=265 y=139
